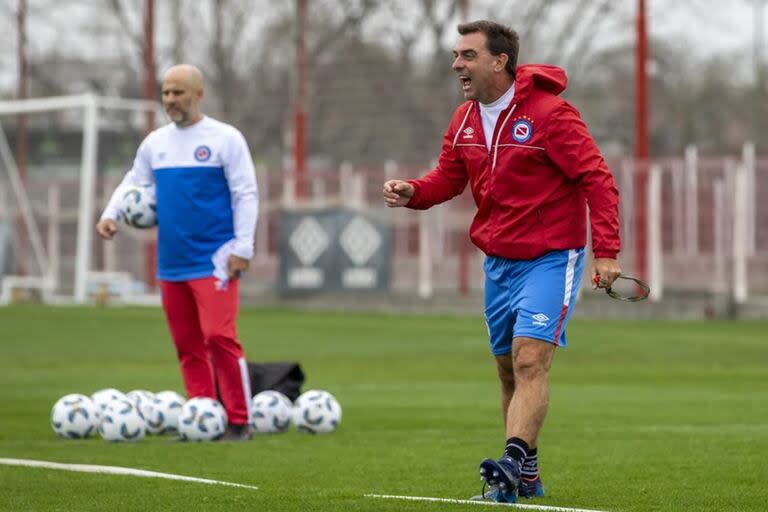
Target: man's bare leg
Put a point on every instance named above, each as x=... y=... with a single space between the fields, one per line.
x=531 y=361
x=506 y=372
x=525 y=388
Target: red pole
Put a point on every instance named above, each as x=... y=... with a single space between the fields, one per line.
x=21 y=129
x=299 y=129
x=300 y=115
x=150 y=93
x=641 y=142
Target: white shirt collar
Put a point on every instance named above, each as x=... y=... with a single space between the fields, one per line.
x=502 y=102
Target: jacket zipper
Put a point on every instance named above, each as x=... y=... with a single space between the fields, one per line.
x=498 y=136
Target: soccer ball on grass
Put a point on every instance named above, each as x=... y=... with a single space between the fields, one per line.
x=74 y=416
x=317 y=412
x=271 y=412
x=122 y=420
x=167 y=406
x=103 y=396
x=202 y=419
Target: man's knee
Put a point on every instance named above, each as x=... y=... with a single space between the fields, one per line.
x=531 y=358
x=223 y=344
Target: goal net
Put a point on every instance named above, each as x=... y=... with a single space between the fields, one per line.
x=79 y=148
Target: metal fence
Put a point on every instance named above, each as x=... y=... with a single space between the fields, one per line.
x=707 y=229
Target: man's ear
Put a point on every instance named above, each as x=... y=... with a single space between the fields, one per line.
x=503 y=58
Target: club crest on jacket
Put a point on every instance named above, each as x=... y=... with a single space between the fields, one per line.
x=522 y=130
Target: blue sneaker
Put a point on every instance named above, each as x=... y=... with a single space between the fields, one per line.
x=503 y=475
x=494 y=494
x=531 y=488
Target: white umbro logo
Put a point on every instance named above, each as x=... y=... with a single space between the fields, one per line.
x=540 y=319
x=468 y=132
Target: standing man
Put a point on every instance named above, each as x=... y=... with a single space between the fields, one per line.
x=207 y=205
x=533 y=168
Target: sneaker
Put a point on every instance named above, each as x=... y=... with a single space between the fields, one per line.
x=237 y=433
x=531 y=488
x=503 y=475
x=494 y=494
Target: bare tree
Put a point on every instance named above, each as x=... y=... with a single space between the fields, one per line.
x=380 y=83
x=180 y=32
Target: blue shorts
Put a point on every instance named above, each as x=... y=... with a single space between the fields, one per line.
x=531 y=298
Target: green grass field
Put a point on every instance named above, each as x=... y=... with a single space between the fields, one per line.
x=644 y=416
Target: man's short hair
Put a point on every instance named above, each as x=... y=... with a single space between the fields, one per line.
x=501 y=39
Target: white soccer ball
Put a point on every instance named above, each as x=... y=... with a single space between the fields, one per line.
x=140 y=395
x=74 y=416
x=271 y=412
x=103 y=396
x=166 y=411
x=138 y=206
x=122 y=420
x=153 y=417
x=202 y=419
x=145 y=402
x=317 y=412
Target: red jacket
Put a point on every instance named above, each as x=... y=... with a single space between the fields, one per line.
x=533 y=187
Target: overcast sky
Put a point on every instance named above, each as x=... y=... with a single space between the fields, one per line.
x=703 y=27
x=723 y=26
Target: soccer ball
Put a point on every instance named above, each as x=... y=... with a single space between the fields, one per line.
x=145 y=402
x=139 y=396
x=153 y=417
x=122 y=420
x=138 y=206
x=202 y=419
x=103 y=396
x=74 y=416
x=317 y=412
x=166 y=410
x=271 y=412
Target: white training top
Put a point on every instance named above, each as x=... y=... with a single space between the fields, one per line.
x=206 y=195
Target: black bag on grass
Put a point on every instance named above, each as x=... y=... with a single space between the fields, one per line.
x=285 y=377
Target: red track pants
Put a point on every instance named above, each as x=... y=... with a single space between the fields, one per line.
x=202 y=322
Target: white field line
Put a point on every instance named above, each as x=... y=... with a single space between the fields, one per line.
x=115 y=470
x=487 y=503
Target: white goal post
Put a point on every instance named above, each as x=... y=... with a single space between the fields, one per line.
x=91 y=106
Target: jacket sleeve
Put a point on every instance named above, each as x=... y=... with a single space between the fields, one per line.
x=445 y=181
x=572 y=148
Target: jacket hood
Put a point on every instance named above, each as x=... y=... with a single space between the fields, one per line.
x=544 y=77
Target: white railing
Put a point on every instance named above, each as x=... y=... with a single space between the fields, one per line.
x=703 y=229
